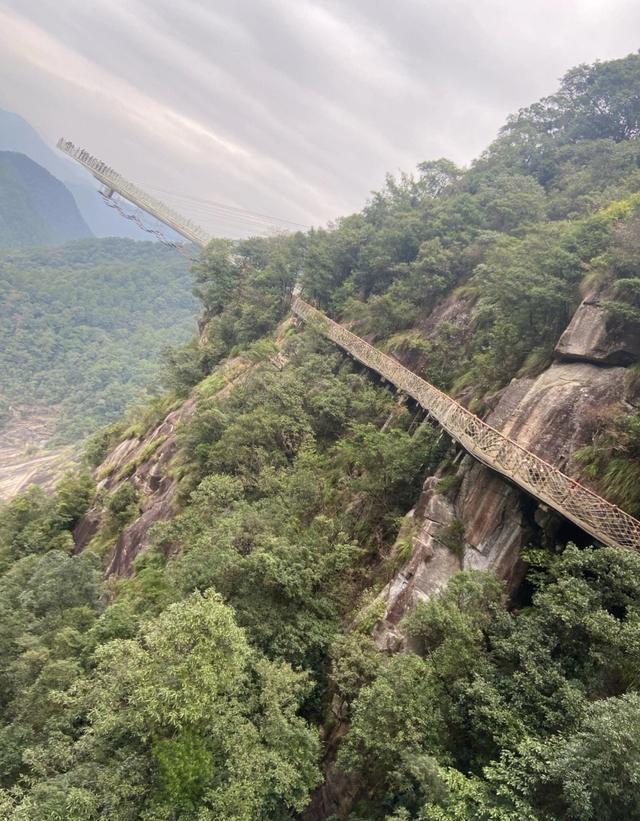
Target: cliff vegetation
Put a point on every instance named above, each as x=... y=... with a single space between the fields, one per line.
x=190 y=629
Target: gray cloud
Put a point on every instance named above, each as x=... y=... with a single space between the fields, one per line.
x=294 y=108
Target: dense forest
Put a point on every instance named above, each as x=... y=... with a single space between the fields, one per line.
x=83 y=325
x=234 y=669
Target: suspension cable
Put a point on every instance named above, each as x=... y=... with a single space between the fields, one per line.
x=155 y=232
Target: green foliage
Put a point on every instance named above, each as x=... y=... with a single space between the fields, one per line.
x=298 y=485
x=202 y=724
x=612 y=459
x=452 y=536
x=506 y=698
x=355 y=663
x=449 y=484
x=82 y=326
x=122 y=505
x=586 y=773
x=48 y=603
x=35 y=207
x=245 y=288
x=34 y=523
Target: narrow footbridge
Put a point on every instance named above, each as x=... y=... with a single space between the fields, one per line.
x=593 y=514
x=590 y=512
x=116 y=183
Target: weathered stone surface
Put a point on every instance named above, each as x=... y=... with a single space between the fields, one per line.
x=134 y=539
x=554 y=416
x=156 y=489
x=495 y=525
x=592 y=336
x=428 y=570
x=86 y=529
x=145 y=463
x=494 y=528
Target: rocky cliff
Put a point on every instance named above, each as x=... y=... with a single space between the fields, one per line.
x=465 y=517
x=476 y=519
x=147 y=462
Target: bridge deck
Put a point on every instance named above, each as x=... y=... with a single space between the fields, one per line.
x=115 y=182
x=593 y=514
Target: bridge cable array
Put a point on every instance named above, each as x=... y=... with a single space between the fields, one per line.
x=239 y=216
x=155 y=232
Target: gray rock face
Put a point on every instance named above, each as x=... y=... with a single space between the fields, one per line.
x=157 y=489
x=593 y=336
x=145 y=462
x=493 y=527
x=150 y=478
x=553 y=416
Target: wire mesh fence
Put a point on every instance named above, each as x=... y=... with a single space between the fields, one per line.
x=602 y=519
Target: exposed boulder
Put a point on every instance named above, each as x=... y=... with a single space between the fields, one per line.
x=593 y=335
x=553 y=415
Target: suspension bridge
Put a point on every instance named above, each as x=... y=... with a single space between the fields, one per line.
x=593 y=514
x=115 y=183
x=229 y=218
x=590 y=512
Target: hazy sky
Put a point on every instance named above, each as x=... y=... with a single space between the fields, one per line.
x=295 y=108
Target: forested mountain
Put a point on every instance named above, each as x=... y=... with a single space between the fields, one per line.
x=16 y=134
x=283 y=591
x=35 y=207
x=82 y=326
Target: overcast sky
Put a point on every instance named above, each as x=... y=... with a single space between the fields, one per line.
x=294 y=108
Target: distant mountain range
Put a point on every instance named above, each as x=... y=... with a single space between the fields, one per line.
x=35 y=207
x=17 y=135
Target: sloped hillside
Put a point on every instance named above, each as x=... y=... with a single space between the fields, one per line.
x=283 y=591
x=35 y=207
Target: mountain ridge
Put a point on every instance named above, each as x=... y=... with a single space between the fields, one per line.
x=35 y=207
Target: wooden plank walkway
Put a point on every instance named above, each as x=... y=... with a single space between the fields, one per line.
x=593 y=514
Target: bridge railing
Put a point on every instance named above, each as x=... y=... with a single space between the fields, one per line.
x=106 y=175
x=602 y=519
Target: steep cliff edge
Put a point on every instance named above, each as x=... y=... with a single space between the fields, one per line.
x=466 y=516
